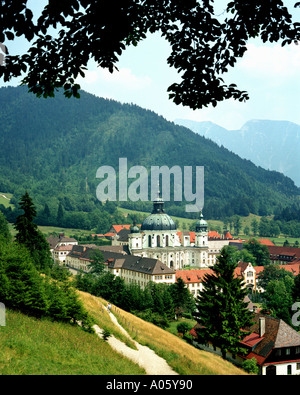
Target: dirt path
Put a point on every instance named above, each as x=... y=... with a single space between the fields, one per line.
x=143 y=356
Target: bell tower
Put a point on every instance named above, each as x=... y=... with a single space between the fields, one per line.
x=201 y=234
x=134 y=238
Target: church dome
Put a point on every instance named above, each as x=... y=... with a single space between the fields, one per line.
x=201 y=225
x=134 y=228
x=158 y=219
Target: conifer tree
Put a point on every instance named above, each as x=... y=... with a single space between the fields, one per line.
x=24 y=287
x=60 y=214
x=221 y=310
x=30 y=236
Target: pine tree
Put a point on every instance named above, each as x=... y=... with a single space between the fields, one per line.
x=221 y=312
x=60 y=215
x=24 y=288
x=24 y=223
x=30 y=236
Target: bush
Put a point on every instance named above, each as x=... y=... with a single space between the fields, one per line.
x=153 y=317
x=250 y=366
x=183 y=327
x=23 y=288
x=105 y=334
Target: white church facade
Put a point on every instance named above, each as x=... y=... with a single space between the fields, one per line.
x=158 y=238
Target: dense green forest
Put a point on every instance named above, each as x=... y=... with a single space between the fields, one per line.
x=53 y=147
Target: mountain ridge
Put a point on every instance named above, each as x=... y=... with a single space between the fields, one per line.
x=258 y=140
x=53 y=147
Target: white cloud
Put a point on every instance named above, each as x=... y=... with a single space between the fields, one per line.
x=123 y=79
x=271 y=61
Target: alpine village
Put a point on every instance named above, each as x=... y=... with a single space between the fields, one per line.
x=87 y=286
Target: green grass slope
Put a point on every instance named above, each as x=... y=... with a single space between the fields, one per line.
x=39 y=347
x=30 y=346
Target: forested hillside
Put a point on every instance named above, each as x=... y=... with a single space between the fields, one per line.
x=53 y=148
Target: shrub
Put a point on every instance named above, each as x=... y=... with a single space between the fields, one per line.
x=250 y=366
x=183 y=327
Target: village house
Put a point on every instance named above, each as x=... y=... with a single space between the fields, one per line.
x=140 y=271
x=273 y=343
x=194 y=278
x=284 y=255
x=60 y=253
x=60 y=246
x=246 y=271
x=133 y=269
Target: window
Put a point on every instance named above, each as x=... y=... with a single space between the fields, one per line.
x=250 y=274
x=287 y=351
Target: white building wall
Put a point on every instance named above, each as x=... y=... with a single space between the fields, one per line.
x=282 y=368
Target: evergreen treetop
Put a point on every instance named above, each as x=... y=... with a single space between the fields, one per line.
x=30 y=236
x=221 y=311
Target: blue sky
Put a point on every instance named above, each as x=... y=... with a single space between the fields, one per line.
x=268 y=72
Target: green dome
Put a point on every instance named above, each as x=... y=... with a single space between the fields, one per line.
x=134 y=228
x=201 y=225
x=160 y=221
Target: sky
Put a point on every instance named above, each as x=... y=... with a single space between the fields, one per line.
x=268 y=72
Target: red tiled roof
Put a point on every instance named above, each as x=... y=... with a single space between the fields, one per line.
x=259 y=358
x=251 y=340
x=276 y=363
x=277 y=334
x=228 y=236
x=120 y=227
x=192 y=237
x=67 y=247
x=213 y=234
x=192 y=276
x=109 y=234
x=266 y=242
x=292 y=252
x=191 y=234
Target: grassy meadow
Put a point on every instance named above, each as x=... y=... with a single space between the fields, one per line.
x=184 y=358
x=40 y=347
x=5 y=199
x=31 y=346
